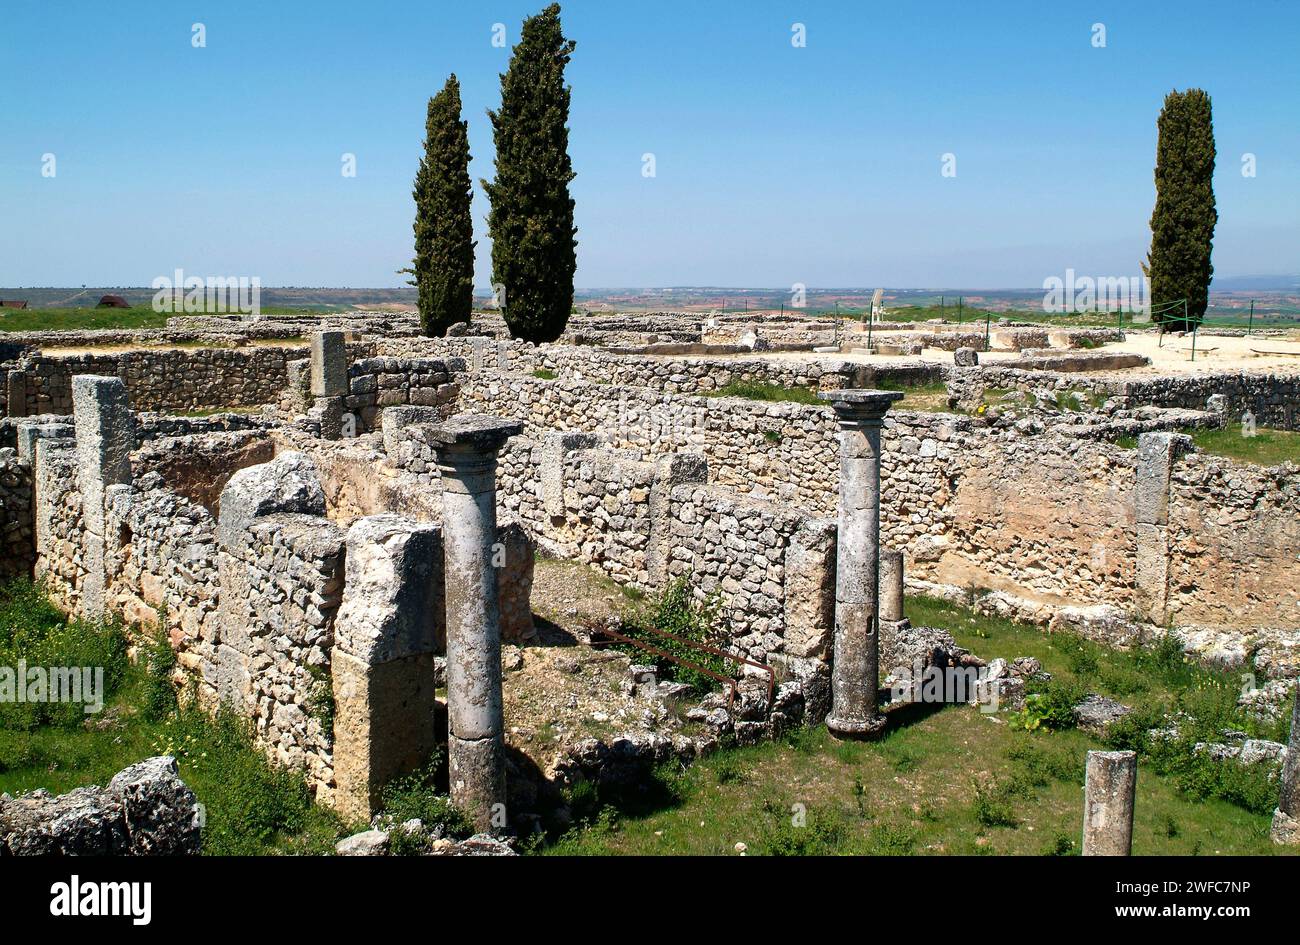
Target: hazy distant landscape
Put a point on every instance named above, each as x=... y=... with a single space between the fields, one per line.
x=1276 y=298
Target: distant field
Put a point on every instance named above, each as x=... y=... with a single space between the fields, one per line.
x=70 y=319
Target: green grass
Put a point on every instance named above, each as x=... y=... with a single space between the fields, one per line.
x=68 y=319
x=928 y=398
x=250 y=805
x=1267 y=447
x=543 y=374
x=953 y=781
x=138 y=316
x=752 y=390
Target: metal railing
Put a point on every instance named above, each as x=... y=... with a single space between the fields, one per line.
x=729 y=681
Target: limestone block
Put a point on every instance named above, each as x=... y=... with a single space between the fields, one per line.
x=393 y=590
x=810 y=589
x=289 y=483
x=1157 y=453
x=384 y=726
x=329 y=364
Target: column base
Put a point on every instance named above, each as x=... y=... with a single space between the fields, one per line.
x=872 y=727
x=477 y=772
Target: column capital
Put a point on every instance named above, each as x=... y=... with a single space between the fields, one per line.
x=466 y=434
x=467 y=446
x=858 y=406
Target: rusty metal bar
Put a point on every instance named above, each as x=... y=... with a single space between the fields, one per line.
x=693 y=644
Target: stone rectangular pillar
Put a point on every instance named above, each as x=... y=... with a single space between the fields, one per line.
x=329 y=380
x=382 y=664
x=16 y=393
x=855 y=670
x=467 y=447
x=1157 y=454
x=671 y=471
x=105 y=430
x=1110 y=787
x=1286 y=819
x=555 y=447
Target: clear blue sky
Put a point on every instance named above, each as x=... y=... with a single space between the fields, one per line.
x=775 y=164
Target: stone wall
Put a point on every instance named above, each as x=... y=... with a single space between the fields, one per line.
x=648 y=520
x=17 y=548
x=1272 y=398
x=1236 y=528
x=1049 y=518
x=164 y=379
x=673 y=375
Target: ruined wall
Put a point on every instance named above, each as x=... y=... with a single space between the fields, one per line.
x=1235 y=528
x=1049 y=518
x=1274 y=399
x=376 y=383
x=168 y=379
x=17 y=543
x=281 y=586
x=673 y=375
x=59 y=529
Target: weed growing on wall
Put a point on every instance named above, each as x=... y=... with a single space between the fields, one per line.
x=159 y=696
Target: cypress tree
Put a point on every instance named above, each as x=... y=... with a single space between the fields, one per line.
x=444 y=231
x=1182 y=224
x=531 y=216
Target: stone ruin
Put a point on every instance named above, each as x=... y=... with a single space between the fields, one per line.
x=373 y=532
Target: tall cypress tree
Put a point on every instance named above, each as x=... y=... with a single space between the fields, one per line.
x=531 y=218
x=444 y=230
x=1182 y=224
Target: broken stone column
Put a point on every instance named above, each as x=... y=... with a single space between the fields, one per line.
x=891 y=586
x=1109 y=789
x=382 y=664
x=105 y=430
x=855 y=670
x=467 y=447
x=329 y=380
x=1286 y=819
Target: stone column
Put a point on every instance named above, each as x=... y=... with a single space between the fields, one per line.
x=467 y=446
x=1286 y=819
x=105 y=429
x=856 y=666
x=891 y=586
x=329 y=380
x=1109 y=789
